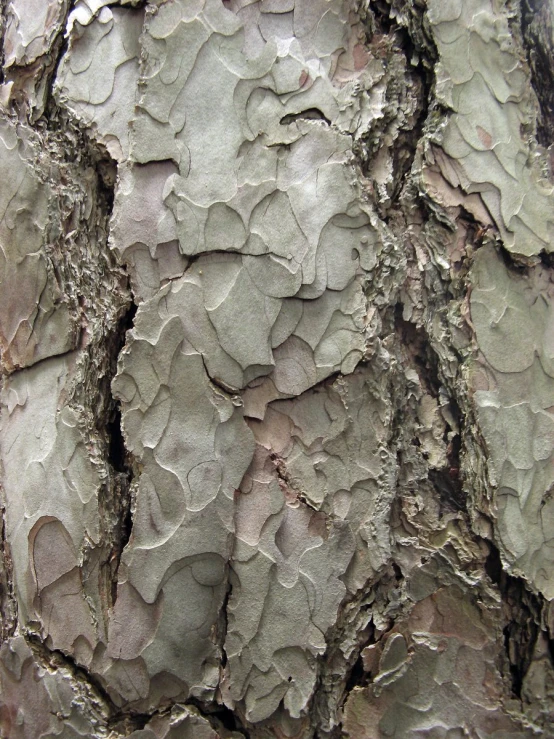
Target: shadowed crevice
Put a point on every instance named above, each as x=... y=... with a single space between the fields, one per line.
x=537 y=26
x=311 y=114
x=120 y=492
x=8 y=601
x=521 y=611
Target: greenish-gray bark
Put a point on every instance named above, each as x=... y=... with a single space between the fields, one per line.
x=277 y=335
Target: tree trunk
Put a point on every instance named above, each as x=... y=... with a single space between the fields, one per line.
x=277 y=331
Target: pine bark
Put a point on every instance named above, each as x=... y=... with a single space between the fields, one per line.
x=277 y=356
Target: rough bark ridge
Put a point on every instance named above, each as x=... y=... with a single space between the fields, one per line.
x=277 y=328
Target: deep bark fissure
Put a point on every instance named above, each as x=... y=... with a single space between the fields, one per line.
x=358 y=677
x=3 y=4
x=120 y=484
x=135 y=5
x=55 y=659
x=310 y=114
x=44 y=66
x=396 y=33
x=104 y=343
x=121 y=720
x=447 y=481
x=8 y=601
x=536 y=28
x=415 y=342
x=547 y=260
x=223 y=623
x=101 y=316
x=420 y=354
x=335 y=674
x=341 y=668
x=219 y=716
x=65 y=155
x=522 y=618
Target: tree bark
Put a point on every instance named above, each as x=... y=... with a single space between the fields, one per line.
x=277 y=333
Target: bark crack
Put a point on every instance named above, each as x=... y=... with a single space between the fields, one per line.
x=537 y=27
x=8 y=601
x=118 y=503
x=522 y=613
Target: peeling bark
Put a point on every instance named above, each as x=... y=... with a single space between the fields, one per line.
x=276 y=327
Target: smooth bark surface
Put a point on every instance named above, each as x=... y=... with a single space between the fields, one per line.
x=277 y=334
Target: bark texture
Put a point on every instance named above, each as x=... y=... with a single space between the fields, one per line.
x=277 y=333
